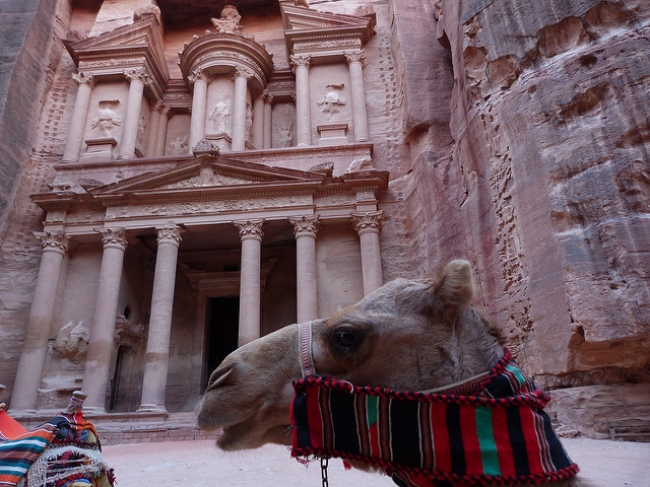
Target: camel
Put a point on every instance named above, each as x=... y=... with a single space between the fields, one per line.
x=408 y=335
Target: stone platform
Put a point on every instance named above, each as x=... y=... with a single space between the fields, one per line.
x=119 y=428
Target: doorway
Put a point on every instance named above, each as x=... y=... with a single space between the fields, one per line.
x=222 y=329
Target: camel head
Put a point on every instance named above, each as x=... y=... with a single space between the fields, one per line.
x=406 y=335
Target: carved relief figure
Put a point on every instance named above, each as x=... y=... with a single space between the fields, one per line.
x=178 y=146
x=284 y=135
x=72 y=341
x=142 y=127
x=106 y=119
x=332 y=100
x=249 y=120
x=229 y=21
x=220 y=116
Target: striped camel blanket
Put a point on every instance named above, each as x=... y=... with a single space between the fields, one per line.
x=490 y=431
x=19 y=448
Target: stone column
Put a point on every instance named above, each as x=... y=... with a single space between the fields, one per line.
x=32 y=358
x=137 y=78
x=156 y=364
x=199 y=102
x=72 y=149
x=303 y=108
x=359 y=109
x=152 y=133
x=250 y=232
x=258 y=122
x=97 y=370
x=239 y=109
x=268 y=120
x=305 y=229
x=161 y=137
x=368 y=225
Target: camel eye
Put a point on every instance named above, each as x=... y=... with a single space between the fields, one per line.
x=346 y=339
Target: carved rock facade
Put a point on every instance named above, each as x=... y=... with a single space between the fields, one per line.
x=515 y=134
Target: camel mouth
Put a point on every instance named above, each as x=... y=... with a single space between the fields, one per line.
x=239 y=436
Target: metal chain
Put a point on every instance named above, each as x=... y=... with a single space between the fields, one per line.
x=323 y=470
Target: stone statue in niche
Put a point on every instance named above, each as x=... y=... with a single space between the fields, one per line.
x=106 y=120
x=229 y=21
x=332 y=99
x=220 y=116
x=284 y=135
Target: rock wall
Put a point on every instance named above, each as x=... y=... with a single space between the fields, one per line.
x=546 y=183
x=25 y=66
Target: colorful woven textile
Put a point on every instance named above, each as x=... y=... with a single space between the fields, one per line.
x=498 y=435
x=19 y=453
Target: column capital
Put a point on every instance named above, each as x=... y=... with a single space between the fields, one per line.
x=355 y=57
x=114 y=238
x=241 y=72
x=198 y=75
x=268 y=97
x=53 y=241
x=137 y=74
x=250 y=229
x=170 y=234
x=367 y=222
x=83 y=78
x=305 y=225
x=300 y=60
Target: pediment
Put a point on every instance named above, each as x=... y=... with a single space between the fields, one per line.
x=300 y=22
x=206 y=175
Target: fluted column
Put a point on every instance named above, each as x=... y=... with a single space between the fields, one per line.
x=97 y=370
x=303 y=109
x=258 y=122
x=250 y=232
x=152 y=133
x=199 y=102
x=368 y=226
x=239 y=109
x=72 y=149
x=359 y=109
x=156 y=366
x=32 y=358
x=268 y=120
x=161 y=137
x=137 y=78
x=305 y=229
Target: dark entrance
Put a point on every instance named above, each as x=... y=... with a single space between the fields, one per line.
x=222 y=329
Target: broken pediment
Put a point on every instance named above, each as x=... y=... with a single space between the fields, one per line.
x=139 y=44
x=306 y=29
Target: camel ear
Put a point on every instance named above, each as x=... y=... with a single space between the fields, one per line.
x=454 y=289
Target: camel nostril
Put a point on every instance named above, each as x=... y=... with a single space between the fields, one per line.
x=219 y=378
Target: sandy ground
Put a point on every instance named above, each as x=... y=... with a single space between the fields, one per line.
x=201 y=464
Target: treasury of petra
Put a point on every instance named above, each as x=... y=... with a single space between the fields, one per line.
x=178 y=178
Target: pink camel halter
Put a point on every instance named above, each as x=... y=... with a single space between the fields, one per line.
x=491 y=430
